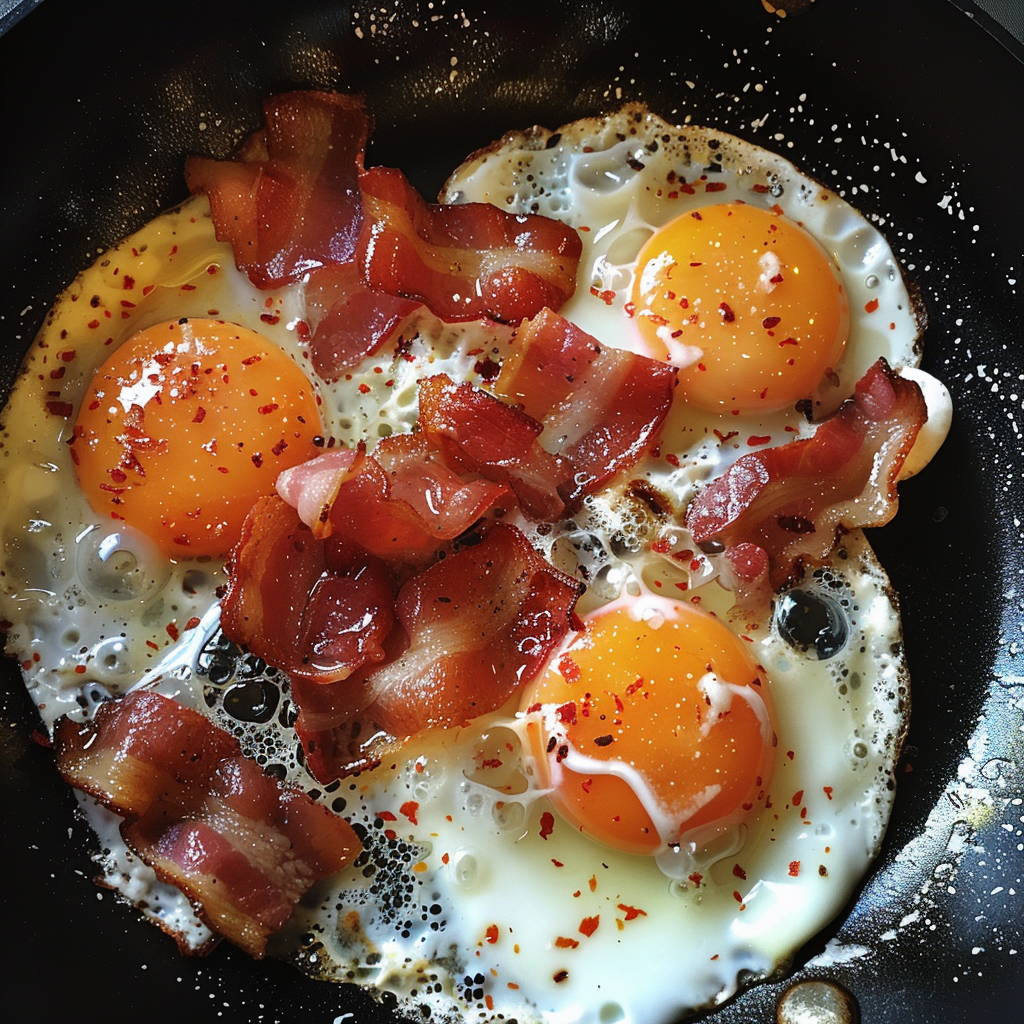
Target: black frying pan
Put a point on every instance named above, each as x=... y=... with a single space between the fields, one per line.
x=917 y=100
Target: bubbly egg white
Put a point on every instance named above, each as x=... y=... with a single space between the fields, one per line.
x=466 y=899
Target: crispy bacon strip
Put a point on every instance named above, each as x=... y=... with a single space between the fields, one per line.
x=601 y=407
x=349 y=320
x=464 y=261
x=796 y=499
x=318 y=610
x=478 y=433
x=402 y=503
x=240 y=845
x=575 y=413
x=288 y=201
x=476 y=626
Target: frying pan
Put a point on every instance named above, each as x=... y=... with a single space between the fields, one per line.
x=912 y=110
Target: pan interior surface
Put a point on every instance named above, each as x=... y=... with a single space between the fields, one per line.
x=100 y=113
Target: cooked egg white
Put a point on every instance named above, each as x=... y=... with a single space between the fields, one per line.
x=471 y=897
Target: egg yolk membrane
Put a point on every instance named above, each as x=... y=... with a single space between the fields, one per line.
x=186 y=425
x=654 y=729
x=745 y=302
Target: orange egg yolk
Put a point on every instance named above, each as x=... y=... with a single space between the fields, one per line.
x=649 y=733
x=186 y=425
x=745 y=302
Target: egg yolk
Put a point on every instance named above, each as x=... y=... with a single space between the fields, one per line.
x=652 y=731
x=745 y=302
x=186 y=425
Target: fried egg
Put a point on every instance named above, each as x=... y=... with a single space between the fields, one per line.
x=511 y=867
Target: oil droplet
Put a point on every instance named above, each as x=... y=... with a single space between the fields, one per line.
x=817 y=1002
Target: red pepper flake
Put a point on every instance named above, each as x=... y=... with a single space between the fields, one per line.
x=755 y=439
x=409 y=809
x=192 y=622
x=871 y=306
x=547 y=824
x=64 y=409
x=387 y=816
x=188 y=287
x=66 y=355
x=279 y=448
x=557 y=863
x=634 y=686
x=798 y=797
x=672 y=460
x=149 y=643
x=607 y=296
x=128 y=283
x=827 y=790
x=487 y=368
x=270 y=318
x=790 y=754
x=794 y=868
x=569 y=669
x=491 y=762
x=364 y=389
x=80 y=669
x=632 y=912
x=559 y=976
x=564 y=942
x=489 y=1001
x=739 y=872
x=445 y=858
x=761 y=189
x=696 y=878
x=58 y=373
x=589 y=925
x=771 y=321
x=723 y=438
x=739 y=899
x=257 y=460
x=728 y=316
x=567 y=713
x=491 y=934
x=270 y=407
x=200 y=415
x=715 y=186
x=593 y=883
x=172 y=631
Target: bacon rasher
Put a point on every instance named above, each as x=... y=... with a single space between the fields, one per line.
x=571 y=414
x=794 y=500
x=402 y=503
x=320 y=609
x=349 y=321
x=600 y=407
x=472 y=629
x=289 y=201
x=243 y=847
x=465 y=261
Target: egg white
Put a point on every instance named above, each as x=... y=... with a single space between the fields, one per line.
x=459 y=903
